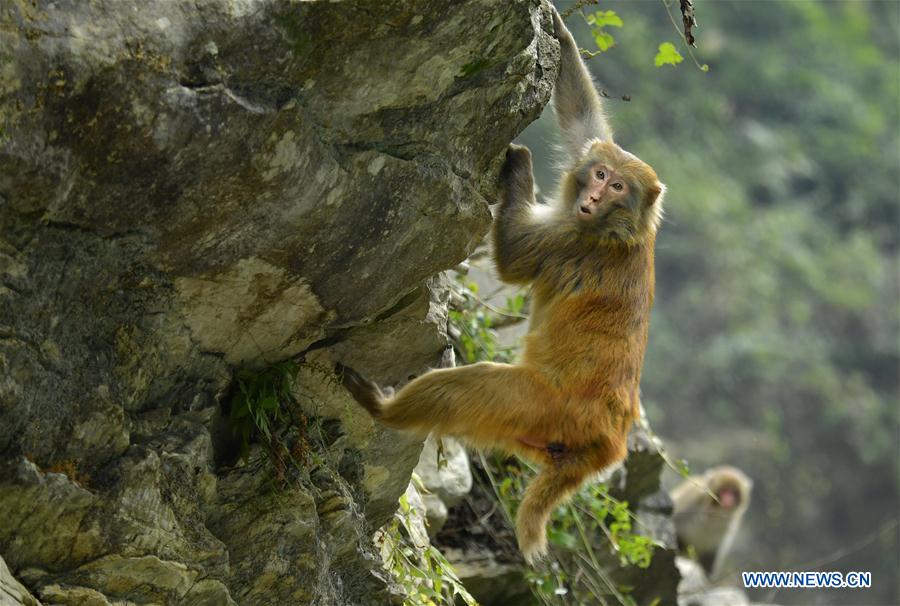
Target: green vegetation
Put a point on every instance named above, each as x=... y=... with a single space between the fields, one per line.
x=423 y=572
x=265 y=409
x=261 y=404
x=581 y=534
x=667 y=55
x=774 y=341
x=473 y=321
x=598 y=22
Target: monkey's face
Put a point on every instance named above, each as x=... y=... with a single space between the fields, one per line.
x=604 y=190
x=731 y=487
x=729 y=497
x=616 y=195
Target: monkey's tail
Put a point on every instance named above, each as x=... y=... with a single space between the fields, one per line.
x=551 y=486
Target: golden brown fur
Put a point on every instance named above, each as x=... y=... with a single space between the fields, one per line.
x=569 y=403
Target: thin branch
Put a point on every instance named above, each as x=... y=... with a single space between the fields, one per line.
x=687 y=43
x=654 y=441
x=504 y=321
x=495 y=309
x=580 y=4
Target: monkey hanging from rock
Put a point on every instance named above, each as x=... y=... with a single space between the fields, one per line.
x=708 y=512
x=569 y=404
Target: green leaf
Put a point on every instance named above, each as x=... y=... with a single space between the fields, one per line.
x=604 y=40
x=563 y=539
x=604 y=18
x=239 y=410
x=667 y=55
x=515 y=304
x=268 y=402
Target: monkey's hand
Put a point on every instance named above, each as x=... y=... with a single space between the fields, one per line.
x=561 y=32
x=362 y=389
x=516 y=178
x=517 y=235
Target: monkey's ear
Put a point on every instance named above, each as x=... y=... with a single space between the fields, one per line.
x=654 y=194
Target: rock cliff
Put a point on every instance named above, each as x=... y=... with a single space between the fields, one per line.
x=189 y=189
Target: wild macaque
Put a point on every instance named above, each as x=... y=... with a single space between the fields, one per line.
x=708 y=513
x=569 y=403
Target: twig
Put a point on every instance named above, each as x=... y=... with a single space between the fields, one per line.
x=493 y=483
x=504 y=321
x=654 y=441
x=494 y=309
x=687 y=16
x=687 y=43
x=580 y=4
x=482 y=519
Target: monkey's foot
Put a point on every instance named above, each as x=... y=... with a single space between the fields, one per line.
x=364 y=391
x=532 y=539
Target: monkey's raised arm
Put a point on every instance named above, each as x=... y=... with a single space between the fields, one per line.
x=577 y=104
x=517 y=234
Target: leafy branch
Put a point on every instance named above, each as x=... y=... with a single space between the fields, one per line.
x=425 y=574
x=576 y=567
x=668 y=55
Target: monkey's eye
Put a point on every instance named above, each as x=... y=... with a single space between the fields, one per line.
x=600 y=175
x=618 y=186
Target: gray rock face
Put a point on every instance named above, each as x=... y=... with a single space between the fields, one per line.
x=12 y=593
x=445 y=471
x=446 y=474
x=189 y=187
x=695 y=589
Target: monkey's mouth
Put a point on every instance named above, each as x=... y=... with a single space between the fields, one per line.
x=728 y=499
x=584 y=212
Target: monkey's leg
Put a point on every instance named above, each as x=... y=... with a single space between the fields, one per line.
x=489 y=405
x=545 y=491
x=555 y=483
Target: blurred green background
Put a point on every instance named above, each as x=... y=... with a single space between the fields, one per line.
x=775 y=336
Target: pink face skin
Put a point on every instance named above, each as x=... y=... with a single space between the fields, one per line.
x=605 y=189
x=728 y=498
